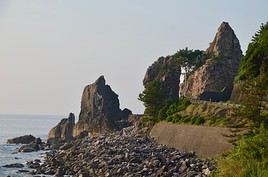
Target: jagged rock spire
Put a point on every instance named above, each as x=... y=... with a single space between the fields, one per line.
x=214 y=80
x=225 y=42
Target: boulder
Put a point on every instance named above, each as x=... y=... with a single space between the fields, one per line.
x=63 y=131
x=213 y=81
x=36 y=145
x=100 y=110
x=26 y=139
x=14 y=165
x=167 y=70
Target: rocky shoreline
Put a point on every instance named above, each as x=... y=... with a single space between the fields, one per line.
x=120 y=154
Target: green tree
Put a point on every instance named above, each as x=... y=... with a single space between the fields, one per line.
x=152 y=98
x=189 y=59
x=256 y=54
x=254 y=73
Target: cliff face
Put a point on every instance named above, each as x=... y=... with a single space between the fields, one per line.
x=167 y=71
x=63 y=131
x=214 y=80
x=100 y=110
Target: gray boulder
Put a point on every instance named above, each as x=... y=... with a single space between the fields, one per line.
x=26 y=139
x=14 y=165
x=36 y=145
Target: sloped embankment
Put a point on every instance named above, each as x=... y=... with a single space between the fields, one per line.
x=205 y=141
x=209 y=109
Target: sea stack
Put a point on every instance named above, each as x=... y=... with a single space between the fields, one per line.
x=100 y=110
x=213 y=81
x=63 y=131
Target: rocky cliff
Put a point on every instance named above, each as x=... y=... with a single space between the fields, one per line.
x=100 y=110
x=214 y=80
x=166 y=70
x=63 y=131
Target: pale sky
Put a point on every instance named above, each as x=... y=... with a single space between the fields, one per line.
x=51 y=49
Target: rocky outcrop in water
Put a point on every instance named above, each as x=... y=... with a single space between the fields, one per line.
x=214 y=80
x=100 y=110
x=26 y=139
x=63 y=131
x=167 y=70
x=14 y=165
x=31 y=143
x=36 y=145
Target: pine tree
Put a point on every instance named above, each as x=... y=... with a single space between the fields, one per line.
x=152 y=98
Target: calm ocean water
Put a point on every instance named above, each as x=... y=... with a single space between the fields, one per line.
x=17 y=125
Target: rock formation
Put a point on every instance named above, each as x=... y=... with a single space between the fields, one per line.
x=63 y=131
x=36 y=145
x=167 y=71
x=100 y=111
x=214 y=80
x=26 y=139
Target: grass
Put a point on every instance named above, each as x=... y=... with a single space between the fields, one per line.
x=248 y=159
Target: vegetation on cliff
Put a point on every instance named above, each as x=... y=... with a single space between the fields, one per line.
x=249 y=158
x=155 y=96
x=256 y=55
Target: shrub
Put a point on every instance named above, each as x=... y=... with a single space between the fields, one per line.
x=173 y=108
x=176 y=118
x=200 y=120
x=148 y=119
x=186 y=120
x=193 y=119
x=169 y=118
x=248 y=159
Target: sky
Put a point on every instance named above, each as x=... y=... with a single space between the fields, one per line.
x=50 y=50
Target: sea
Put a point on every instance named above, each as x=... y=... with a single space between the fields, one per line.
x=17 y=125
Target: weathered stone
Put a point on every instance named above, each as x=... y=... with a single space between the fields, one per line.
x=100 y=111
x=63 y=131
x=213 y=81
x=167 y=70
x=36 y=145
x=27 y=148
x=59 y=172
x=26 y=139
x=14 y=165
x=23 y=171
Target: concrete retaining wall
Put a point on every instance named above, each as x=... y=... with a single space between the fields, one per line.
x=205 y=141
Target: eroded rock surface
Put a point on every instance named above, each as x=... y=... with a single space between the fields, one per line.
x=26 y=139
x=63 y=131
x=36 y=145
x=100 y=110
x=214 y=80
x=167 y=70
